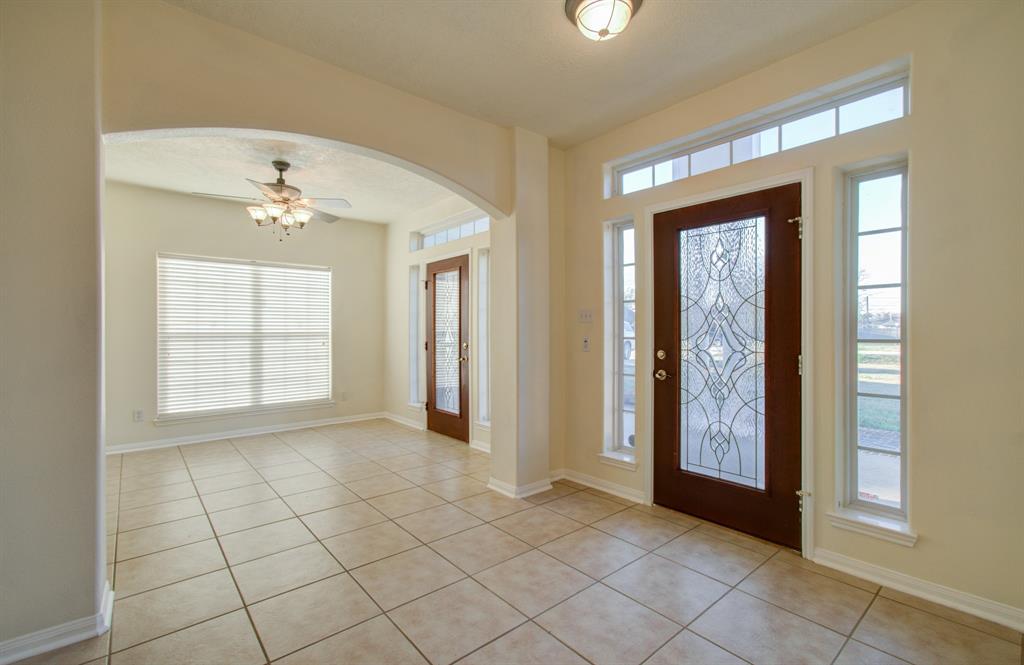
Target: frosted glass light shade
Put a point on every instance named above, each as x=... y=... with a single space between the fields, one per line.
x=302 y=215
x=601 y=20
x=258 y=214
x=275 y=210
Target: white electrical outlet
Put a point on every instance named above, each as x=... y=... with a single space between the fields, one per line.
x=586 y=344
x=137 y=416
x=585 y=316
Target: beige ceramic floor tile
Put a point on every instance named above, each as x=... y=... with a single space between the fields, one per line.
x=425 y=475
x=484 y=475
x=584 y=507
x=402 y=577
x=298 y=618
x=228 y=638
x=243 y=546
x=206 y=471
x=642 y=530
x=454 y=621
x=478 y=548
x=434 y=523
x=284 y=571
x=341 y=519
x=375 y=641
x=537 y=526
x=137 y=518
x=595 y=553
x=607 y=628
x=321 y=499
x=405 y=502
x=984 y=626
x=920 y=637
x=533 y=582
x=363 y=546
x=240 y=496
x=763 y=633
x=737 y=538
x=855 y=653
x=153 y=495
x=526 y=645
x=687 y=648
x=491 y=505
x=353 y=471
x=247 y=517
x=404 y=461
x=153 y=480
x=303 y=483
x=161 y=611
x=162 y=568
x=151 y=539
x=682 y=519
x=288 y=470
x=716 y=558
x=794 y=559
x=821 y=599
x=456 y=488
x=666 y=587
x=373 y=486
x=614 y=498
x=229 y=481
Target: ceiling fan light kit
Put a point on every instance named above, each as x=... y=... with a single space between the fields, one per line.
x=601 y=20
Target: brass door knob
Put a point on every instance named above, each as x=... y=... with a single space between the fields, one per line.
x=661 y=375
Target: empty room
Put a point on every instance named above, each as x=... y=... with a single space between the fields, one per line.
x=511 y=331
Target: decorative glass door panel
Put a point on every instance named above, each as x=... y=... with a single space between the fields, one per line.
x=446 y=341
x=727 y=362
x=448 y=347
x=722 y=351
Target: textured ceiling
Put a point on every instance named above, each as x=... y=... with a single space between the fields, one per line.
x=521 y=63
x=378 y=191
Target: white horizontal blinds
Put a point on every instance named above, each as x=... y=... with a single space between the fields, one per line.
x=239 y=336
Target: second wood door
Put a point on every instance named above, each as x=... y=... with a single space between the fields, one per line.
x=448 y=347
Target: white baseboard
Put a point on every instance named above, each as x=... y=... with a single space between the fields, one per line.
x=55 y=637
x=1006 y=615
x=482 y=446
x=599 y=484
x=520 y=492
x=402 y=420
x=249 y=431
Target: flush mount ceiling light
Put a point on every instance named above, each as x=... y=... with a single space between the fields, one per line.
x=601 y=20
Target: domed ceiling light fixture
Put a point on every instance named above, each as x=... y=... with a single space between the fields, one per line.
x=601 y=20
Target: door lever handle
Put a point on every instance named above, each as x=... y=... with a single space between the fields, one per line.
x=463 y=359
x=661 y=375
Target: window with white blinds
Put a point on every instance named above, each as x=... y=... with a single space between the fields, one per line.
x=239 y=336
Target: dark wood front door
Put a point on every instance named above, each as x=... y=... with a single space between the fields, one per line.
x=727 y=353
x=448 y=347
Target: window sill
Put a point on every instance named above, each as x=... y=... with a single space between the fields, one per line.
x=483 y=424
x=416 y=405
x=877 y=526
x=618 y=458
x=240 y=413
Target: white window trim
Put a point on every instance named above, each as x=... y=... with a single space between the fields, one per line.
x=415 y=339
x=484 y=333
x=852 y=513
x=612 y=451
x=764 y=119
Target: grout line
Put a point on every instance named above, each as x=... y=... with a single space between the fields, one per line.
x=856 y=625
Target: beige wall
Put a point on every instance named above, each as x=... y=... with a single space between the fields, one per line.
x=399 y=260
x=51 y=556
x=139 y=222
x=964 y=140
x=164 y=67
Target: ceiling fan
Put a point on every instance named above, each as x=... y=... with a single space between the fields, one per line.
x=285 y=206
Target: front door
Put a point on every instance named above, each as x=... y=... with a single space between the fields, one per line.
x=448 y=347
x=727 y=372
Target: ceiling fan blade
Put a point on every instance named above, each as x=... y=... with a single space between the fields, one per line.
x=267 y=192
x=336 y=202
x=225 y=197
x=325 y=217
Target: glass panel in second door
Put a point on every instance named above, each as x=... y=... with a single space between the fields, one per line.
x=446 y=341
x=722 y=374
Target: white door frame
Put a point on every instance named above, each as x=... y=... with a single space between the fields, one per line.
x=645 y=244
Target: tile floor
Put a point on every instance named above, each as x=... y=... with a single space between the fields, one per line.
x=373 y=543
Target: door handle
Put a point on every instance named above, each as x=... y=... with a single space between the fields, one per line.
x=661 y=375
x=463 y=359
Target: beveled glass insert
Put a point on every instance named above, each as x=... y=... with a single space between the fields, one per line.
x=722 y=381
x=446 y=341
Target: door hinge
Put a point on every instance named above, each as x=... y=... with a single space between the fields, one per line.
x=426 y=285
x=800 y=365
x=799 y=221
x=800 y=494
x=425 y=346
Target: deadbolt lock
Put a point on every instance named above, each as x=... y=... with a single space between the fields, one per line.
x=660 y=354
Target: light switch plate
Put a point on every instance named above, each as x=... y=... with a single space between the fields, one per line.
x=585 y=316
